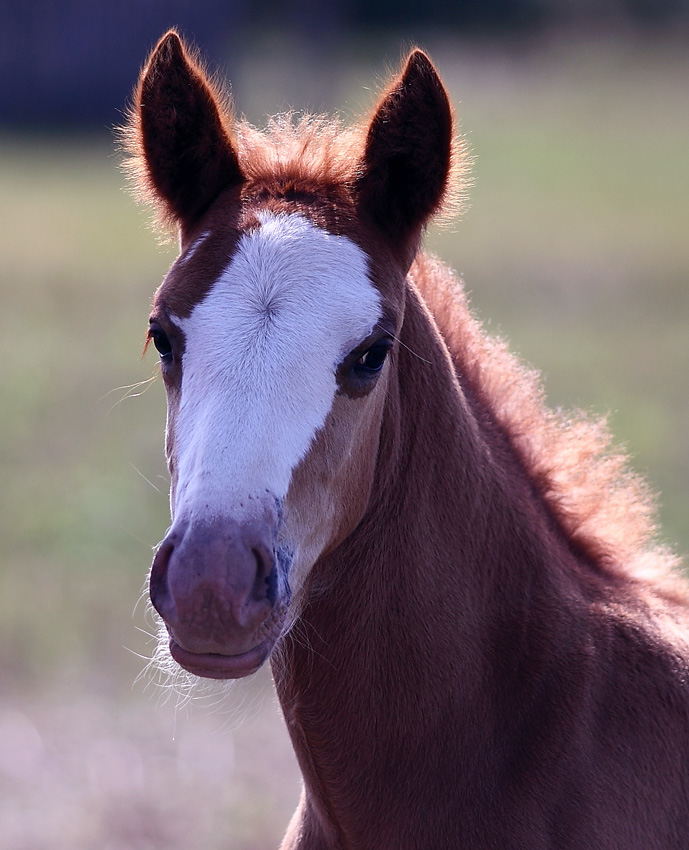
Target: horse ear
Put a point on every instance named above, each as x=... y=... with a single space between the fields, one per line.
x=185 y=143
x=404 y=172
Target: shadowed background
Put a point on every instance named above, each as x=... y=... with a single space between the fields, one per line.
x=574 y=247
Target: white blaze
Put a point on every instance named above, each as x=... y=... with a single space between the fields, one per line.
x=261 y=352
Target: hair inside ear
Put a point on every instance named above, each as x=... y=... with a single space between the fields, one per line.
x=404 y=171
x=185 y=138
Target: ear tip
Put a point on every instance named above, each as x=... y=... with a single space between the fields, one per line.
x=171 y=37
x=416 y=54
x=170 y=46
x=419 y=62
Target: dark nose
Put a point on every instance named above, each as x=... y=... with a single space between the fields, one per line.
x=215 y=584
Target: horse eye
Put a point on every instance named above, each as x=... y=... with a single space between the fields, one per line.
x=162 y=343
x=372 y=360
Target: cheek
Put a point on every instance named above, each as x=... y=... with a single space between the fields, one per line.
x=330 y=488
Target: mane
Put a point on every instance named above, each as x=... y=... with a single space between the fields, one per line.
x=316 y=149
x=323 y=152
x=605 y=510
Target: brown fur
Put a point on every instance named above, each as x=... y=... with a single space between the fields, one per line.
x=605 y=510
x=490 y=651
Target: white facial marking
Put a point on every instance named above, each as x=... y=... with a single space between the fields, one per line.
x=261 y=351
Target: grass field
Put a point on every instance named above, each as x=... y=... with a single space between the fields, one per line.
x=575 y=247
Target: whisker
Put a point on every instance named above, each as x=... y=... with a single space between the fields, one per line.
x=136 y=654
x=136 y=536
x=129 y=391
x=404 y=345
x=143 y=597
x=127 y=387
x=147 y=480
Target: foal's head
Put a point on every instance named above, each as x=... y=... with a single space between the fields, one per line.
x=276 y=329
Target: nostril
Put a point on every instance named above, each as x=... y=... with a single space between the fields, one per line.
x=265 y=585
x=158 y=582
x=272 y=586
x=265 y=561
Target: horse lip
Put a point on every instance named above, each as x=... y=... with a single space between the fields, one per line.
x=212 y=665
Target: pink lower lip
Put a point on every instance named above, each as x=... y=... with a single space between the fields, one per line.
x=213 y=665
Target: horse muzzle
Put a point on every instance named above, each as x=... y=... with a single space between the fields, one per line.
x=221 y=589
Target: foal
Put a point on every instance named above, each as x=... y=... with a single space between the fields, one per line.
x=473 y=640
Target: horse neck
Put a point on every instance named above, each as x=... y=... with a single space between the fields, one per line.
x=412 y=621
x=456 y=534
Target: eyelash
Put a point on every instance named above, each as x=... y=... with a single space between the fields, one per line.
x=161 y=342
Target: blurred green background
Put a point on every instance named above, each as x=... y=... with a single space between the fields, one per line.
x=575 y=247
